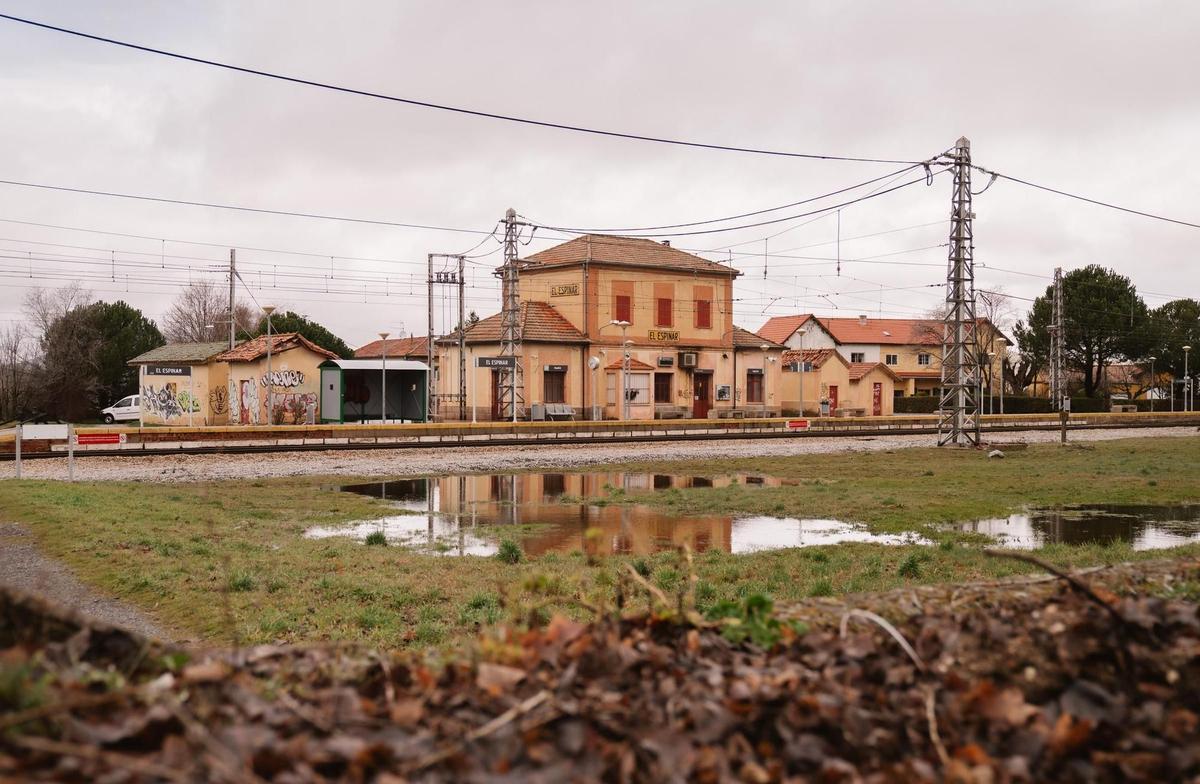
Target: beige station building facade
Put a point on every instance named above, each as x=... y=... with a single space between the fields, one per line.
x=687 y=359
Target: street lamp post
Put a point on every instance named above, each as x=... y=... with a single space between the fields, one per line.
x=383 y=336
x=269 y=309
x=1187 y=381
x=1153 y=383
x=1003 y=357
x=624 y=325
x=991 y=380
x=625 y=344
x=763 y=390
x=801 y=332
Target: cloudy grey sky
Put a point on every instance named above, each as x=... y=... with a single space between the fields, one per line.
x=1092 y=97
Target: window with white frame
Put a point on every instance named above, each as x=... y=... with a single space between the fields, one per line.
x=858 y=356
x=924 y=359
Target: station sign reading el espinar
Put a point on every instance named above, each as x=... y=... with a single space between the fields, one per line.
x=506 y=363
x=168 y=370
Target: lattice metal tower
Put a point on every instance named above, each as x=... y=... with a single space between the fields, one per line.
x=1058 y=368
x=510 y=388
x=457 y=279
x=958 y=412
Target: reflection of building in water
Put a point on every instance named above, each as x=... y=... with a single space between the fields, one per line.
x=537 y=500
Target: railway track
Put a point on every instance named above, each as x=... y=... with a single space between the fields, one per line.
x=661 y=434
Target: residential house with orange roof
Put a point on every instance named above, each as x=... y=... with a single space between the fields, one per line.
x=828 y=384
x=413 y=347
x=909 y=348
x=686 y=356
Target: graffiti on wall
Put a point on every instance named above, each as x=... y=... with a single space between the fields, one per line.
x=218 y=400
x=291 y=408
x=248 y=403
x=283 y=378
x=232 y=399
x=161 y=402
x=167 y=403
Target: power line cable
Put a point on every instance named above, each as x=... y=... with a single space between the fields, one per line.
x=1097 y=202
x=443 y=107
x=238 y=208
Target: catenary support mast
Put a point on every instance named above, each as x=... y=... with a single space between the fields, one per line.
x=454 y=276
x=510 y=387
x=1058 y=370
x=958 y=412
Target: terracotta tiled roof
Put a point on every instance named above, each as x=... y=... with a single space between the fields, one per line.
x=634 y=364
x=540 y=322
x=415 y=346
x=257 y=347
x=817 y=357
x=860 y=369
x=632 y=251
x=744 y=338
x=183 y=353
x=780 y=328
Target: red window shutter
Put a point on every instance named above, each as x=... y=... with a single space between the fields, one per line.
x=622 y=308
x=703 y=314
x=665 y=306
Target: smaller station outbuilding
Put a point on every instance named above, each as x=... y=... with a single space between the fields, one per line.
x=352 y=390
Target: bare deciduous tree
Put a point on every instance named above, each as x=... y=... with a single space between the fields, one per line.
x=16 y=372
x=43 y=307
x=200 y=314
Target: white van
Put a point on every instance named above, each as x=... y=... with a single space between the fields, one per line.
x=123 y=410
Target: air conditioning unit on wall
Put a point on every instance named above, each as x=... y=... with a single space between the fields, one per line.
x=688 y=359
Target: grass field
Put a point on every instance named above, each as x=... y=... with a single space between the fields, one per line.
x=226 y=561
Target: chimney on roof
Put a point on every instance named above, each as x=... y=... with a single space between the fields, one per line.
x=862 y=320
x=667 y=243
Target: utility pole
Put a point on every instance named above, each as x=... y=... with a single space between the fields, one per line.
x=958 y=412
x=1058 y=375
x=510 y=321
x=232 y=275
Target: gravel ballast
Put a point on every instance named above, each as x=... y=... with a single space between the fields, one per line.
x=446 y=460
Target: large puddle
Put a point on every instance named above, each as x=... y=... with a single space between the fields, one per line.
x=545 y=513
x=1144 y=526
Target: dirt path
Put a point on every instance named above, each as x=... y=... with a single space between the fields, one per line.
x=25 y=568
x=443 y=460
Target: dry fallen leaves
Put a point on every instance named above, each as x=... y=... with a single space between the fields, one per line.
x=1019 y=685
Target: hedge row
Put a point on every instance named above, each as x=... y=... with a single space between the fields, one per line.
x=928 y=404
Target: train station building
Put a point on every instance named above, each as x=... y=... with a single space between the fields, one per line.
x=585 y=300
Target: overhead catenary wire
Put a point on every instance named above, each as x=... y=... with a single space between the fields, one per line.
x=771 y=222
x=738 y=216
x=445 y=107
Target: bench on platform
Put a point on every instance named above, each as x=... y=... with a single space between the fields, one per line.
x=559 y=411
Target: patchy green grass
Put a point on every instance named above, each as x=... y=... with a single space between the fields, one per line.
x=197 y=555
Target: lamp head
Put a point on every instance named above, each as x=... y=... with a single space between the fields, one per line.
x=268 y=309
x=384 y=335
